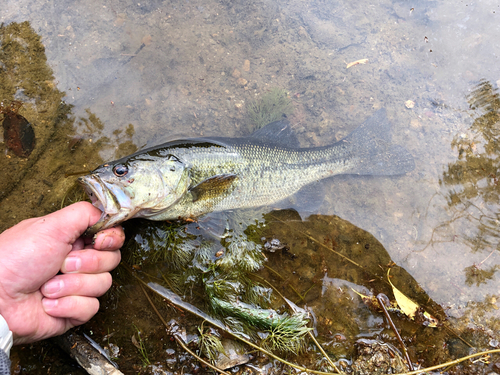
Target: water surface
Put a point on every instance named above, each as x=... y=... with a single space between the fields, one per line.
x=135 y=73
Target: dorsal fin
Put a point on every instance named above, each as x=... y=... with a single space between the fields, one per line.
x=279 y=132
x=212 y=187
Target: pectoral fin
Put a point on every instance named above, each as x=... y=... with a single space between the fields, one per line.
x=213 y=187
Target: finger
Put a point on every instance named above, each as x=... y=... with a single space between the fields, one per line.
x=77 y=284
x=90 y=261
x=72 y=221
x=109 y=239
x=78 y=309
x=79 y=244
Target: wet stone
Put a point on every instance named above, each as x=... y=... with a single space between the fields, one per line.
x=18 y=134
x=246 y=65
x=236 y=73
x=234 y=355
x=242 y=81
x=273 y=245
x=375 y=357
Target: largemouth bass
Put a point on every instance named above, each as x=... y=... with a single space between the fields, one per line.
x=188 y=178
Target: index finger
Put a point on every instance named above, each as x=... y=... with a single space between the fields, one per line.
x=109 y=239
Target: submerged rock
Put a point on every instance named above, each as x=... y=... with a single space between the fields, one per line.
x=375 y=357
x=18 y=134
x=234 y=355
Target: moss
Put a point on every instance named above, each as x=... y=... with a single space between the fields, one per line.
x=272 y=106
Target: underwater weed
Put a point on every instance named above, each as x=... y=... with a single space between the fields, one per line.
x=210 y=344
x=241 y=254
x=282 y=332
x=139 y=344
x=74 y=194
x=286 y=334
x=154 y=242
x=272 y=106
x=259 y=295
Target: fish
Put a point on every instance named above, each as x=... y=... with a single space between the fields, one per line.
x=188 y=178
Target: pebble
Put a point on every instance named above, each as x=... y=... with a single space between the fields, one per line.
x=147 y=40
x=236 y=73
x=409 y=104
x=415 y=123
x=242 y=81
x=246 y=65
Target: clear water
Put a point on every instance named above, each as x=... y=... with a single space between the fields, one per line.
x=140 y=72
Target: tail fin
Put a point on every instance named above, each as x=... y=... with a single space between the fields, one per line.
x=370 y=142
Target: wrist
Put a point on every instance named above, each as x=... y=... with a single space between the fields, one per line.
x=6 y=338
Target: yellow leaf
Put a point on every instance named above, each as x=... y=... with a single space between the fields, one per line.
x=408 y=306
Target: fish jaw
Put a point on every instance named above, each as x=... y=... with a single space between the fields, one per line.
x=114 y=209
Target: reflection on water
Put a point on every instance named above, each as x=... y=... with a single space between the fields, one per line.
x=34 y=184
x=473 y=179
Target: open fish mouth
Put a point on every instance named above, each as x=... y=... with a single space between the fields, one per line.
x=95 y=191
x=104 y=197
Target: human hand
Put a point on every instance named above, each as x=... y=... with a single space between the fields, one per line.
x=35 y=300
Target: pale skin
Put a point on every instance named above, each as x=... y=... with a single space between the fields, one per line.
x=50 y=277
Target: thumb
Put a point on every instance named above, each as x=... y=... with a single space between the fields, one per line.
x=72 y=221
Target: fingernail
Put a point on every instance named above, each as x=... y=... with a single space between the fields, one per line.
x=49 y=304
x=107 y=242
x=72 y=264
x=53 y=286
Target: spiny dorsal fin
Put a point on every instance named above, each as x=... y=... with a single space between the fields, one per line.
x=212 y=187
x=279 y=132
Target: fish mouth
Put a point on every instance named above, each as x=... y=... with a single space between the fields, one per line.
x=103 y=199
x=94 y=188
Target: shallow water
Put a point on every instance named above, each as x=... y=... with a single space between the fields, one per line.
x=140 y=73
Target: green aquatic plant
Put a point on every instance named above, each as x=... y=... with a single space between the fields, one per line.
x=216 y=270
x=240 y=253
x=287 y=334
x=157 y=242
x=210 y=344
x=139 y=344
x=227 y=297
x=272 y=106
x=74 y=194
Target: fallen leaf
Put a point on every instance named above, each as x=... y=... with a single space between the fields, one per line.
x=362 y=61
x=135 y=342
x=410 y=307
x=407 y=306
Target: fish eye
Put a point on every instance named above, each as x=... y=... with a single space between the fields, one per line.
x=120 y=170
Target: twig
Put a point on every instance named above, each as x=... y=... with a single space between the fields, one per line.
x=282 y=278
x=176 y=300
x=323 y=245
x=380 y=298
x=179 y=340
x=451 y=363
x=309 y=332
